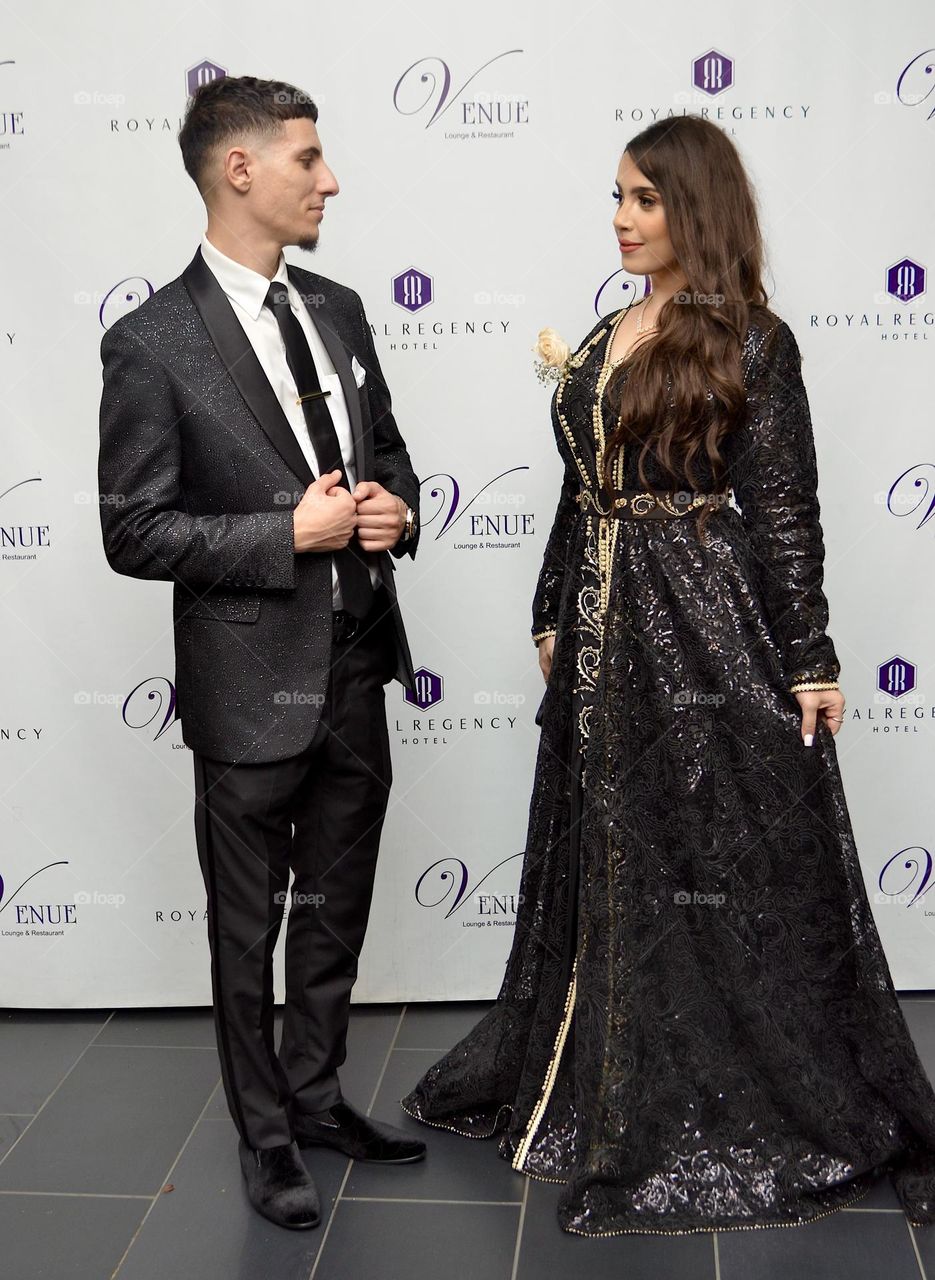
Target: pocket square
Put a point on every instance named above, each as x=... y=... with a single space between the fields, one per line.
x=359 y=372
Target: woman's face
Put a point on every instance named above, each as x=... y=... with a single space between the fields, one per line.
x=640 y=222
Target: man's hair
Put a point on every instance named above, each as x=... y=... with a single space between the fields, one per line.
x=224 y=110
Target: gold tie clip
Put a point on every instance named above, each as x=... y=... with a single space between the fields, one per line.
x=312 y=395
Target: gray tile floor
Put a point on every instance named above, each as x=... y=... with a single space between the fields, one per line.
x=118 y=1159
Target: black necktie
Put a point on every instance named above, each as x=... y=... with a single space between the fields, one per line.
x=353 y=574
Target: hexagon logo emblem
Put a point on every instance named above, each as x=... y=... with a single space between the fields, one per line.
x=905 y=280
x=896 y=677
x=429 y=689
x=713 y=72
x=413 y=290
x=202 y=73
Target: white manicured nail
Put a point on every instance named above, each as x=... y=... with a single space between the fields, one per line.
x=809 y=739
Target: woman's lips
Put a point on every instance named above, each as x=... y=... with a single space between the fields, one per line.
x=627 y=246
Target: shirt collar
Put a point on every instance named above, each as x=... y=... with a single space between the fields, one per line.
x=241 y=284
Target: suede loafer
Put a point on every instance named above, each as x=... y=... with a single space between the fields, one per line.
x=279 y=1186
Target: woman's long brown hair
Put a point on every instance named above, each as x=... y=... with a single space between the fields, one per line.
x=711 y=219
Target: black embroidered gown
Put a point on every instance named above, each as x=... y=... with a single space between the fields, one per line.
x=697 y=1028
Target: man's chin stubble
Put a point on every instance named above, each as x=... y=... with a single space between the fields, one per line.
x=308 y=244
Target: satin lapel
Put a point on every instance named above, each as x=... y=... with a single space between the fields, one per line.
x=236 y=351
x=334 y=345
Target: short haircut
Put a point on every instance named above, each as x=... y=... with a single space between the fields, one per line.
x=225 y=110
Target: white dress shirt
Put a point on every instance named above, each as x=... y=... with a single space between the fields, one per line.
x=246 y=290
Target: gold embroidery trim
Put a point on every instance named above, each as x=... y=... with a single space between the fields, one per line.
x=549 y=1083
x=542 y=635
x=607 y=538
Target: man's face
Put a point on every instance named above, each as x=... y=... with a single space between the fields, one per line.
x=290 y=183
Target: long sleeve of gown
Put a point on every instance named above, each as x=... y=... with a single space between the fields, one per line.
x=557 y=548
x=774 y=476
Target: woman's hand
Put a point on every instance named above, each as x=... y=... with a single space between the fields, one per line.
x=828 y=704
x=545 y=646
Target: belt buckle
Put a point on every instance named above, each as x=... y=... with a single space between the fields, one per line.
x=643 y=504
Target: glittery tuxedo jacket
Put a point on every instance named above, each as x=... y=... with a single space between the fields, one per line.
x=199 y=472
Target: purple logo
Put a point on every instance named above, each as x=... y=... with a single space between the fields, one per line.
x=124 y=297
x=439 y=89
x=896 y=677
x=437 y=882
x=153 y=707
x=905 y=280
x=901 y=494
x=412 y=290
x=608 y=299
x=23 y=537
x=912 y=864
x=713 y=72
x=203 y=73
x=30 y=913
x=504 y=523
x=430 y=688
x=920 y=67
x=11 y=122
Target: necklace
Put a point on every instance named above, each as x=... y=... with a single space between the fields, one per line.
x=639 y=318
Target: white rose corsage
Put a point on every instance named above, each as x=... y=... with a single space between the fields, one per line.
x=552 y=356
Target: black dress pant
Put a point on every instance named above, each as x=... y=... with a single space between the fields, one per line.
x=319 y=813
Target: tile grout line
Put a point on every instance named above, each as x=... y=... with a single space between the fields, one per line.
x=414 y=1048
x=81 y=1195
x=350 y=1163
x=18 y=1139
x=211 y=1048
x=168 y=1175
x=510 y=1204
x=519 y=1230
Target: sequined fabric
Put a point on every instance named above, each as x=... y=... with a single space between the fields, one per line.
x=724 y=1048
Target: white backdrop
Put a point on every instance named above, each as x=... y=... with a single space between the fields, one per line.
x=477 y=148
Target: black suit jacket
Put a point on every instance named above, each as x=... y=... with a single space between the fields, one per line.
x=199 y=472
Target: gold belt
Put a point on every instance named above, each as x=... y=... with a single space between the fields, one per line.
x=639 y=505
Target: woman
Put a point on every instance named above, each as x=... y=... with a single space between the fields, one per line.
x=697 y=1028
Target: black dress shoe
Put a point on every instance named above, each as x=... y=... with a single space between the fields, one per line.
x=356 y=1136
x=279 y=1186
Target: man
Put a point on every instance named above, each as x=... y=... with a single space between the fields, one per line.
x=250 y=456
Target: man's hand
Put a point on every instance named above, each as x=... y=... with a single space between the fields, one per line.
x=381 y=516
x=326 y=517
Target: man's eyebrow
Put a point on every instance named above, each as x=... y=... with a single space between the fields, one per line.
x=309 y=151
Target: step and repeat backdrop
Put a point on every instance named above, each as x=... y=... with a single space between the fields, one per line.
x=476 y=152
